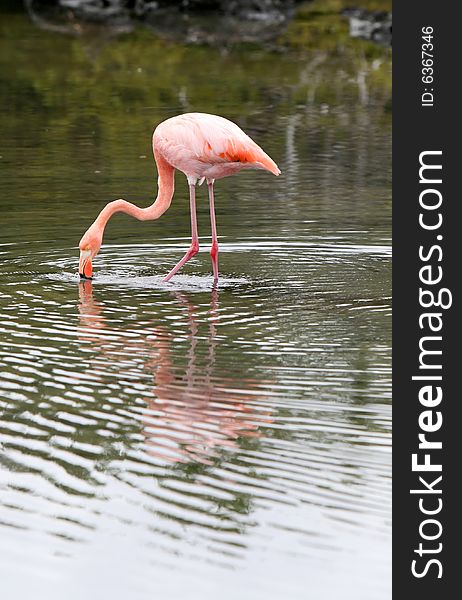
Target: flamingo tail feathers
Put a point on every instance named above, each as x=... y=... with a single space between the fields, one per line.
x=253 y=155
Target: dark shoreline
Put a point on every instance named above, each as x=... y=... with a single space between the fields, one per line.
x=209 y=22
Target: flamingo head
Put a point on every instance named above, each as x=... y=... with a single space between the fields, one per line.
x=89 y=247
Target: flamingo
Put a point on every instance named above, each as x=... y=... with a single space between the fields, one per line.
x=203 y=147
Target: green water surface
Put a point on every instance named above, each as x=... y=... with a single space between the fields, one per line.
x=179 y=440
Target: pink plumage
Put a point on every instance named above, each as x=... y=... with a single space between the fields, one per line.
x=202 y=146
x=208 y=146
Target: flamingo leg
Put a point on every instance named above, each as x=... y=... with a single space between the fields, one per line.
x=214 y=248
x=194 y=248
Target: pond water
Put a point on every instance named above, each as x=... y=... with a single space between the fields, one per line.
x=184 y=440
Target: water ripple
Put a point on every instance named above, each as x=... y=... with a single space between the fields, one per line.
x=210 y=420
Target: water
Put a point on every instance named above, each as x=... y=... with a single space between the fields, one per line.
x=181 y=440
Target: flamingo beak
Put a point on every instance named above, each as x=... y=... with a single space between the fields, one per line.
x=85 y=266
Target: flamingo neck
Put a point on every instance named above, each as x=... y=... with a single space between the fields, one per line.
x=154 y=211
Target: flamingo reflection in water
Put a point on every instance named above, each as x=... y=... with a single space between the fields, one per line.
x=191 y=412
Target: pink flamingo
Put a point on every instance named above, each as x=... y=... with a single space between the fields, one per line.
x=202 y=146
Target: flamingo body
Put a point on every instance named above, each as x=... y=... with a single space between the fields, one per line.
x=208 y=146
x=200 y=145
